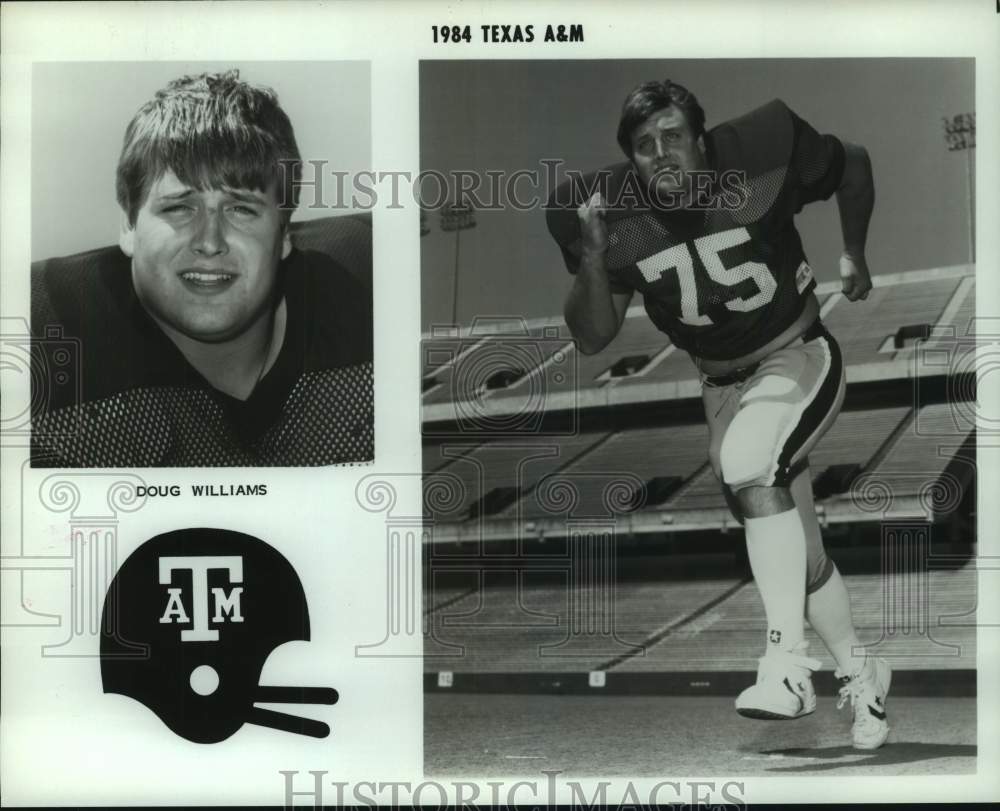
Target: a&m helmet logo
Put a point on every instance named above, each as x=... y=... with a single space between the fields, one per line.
x=188 y=623
x=226 y=605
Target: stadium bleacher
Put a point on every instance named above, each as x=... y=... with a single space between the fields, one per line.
x=498 y=359
x=502 y=468
x=669 y=459
x=629 y=458
x=862 y=327
x=853 y=441
x=925 y=471
x=711 y=624
x=629 y=455
x=963 y=316
x=635 y=352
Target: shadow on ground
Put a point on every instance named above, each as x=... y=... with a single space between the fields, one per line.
x=845 y=757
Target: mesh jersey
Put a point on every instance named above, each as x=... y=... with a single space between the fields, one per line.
x=109 y=389
x=726 y=279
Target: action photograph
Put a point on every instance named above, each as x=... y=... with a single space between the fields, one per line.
x=698 y=417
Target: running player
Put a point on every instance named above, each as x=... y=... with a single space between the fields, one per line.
x=701 y=223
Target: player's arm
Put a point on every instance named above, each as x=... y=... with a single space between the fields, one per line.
x=855 y=200
x=594 y=312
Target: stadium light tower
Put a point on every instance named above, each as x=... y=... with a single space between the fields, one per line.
x=960 y=136
x=457 y=217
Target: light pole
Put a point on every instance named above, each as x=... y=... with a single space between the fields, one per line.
x=960 y=135
x=457 y=217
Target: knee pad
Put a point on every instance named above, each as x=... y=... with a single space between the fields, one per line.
x=733 y=503
x=818 y=571
x=750 y=447
x=716 y=464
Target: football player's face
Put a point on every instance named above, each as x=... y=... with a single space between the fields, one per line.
x=664 y=151
x=205 y=263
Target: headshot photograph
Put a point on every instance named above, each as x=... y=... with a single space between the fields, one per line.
x=200 y=297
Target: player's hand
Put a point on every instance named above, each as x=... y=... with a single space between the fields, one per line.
x=592 y=226
x=855 y=277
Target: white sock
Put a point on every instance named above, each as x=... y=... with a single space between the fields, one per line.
x=777 y=550
x=828 y=610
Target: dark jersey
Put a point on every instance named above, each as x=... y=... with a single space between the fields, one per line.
x=109 y=389
x=729 y=277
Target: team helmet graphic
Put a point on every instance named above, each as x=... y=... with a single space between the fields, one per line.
x=188 y=623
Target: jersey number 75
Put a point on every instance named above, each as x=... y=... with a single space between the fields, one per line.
x=709 y=247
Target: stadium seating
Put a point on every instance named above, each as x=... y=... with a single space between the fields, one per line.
x=494 y=362
x=855 y=438
x=919 y=620
x=924 y=471
x=862 y=327
x=958 y=323
x=514 y=465
x=629 y=459
x=664 y=464
x=629 y=455
x=639 y=343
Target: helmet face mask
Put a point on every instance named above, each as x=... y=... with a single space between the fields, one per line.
x=188 y=623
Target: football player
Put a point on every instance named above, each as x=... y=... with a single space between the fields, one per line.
x=207 y=338
x=700 y=222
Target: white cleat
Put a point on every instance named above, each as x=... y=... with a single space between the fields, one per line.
x=867 y=691
x=784 y=686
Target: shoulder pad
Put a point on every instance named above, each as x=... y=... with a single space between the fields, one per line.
x=757 y=142
x=618 y=183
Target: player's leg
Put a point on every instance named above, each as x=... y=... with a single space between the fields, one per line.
x=775 y=538
x=789 y=403
x=865 y=679
x=828 y=605
x=776 y=548
x=721 y=405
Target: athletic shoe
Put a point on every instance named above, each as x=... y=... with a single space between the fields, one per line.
x=784 y=686
x=867 y=690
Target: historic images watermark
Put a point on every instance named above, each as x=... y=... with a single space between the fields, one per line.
x=546 y=792
x=526 y=189
x=38 y=365
x=914 y=498
x=92 y=502
x=500 y=378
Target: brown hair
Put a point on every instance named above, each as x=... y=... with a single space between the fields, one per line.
x=212 y=131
